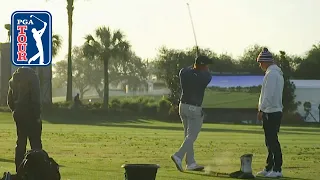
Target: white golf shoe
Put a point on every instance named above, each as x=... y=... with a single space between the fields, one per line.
x=274 y=174
x=177 y=162
x=194 y=167
x=264 y=172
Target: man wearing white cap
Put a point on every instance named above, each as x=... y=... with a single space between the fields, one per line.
x=270 y=112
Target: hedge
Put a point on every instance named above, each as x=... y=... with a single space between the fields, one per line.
x=147 y=107
x=136 y=106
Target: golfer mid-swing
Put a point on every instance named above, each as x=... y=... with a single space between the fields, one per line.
x=193 y=81
x=270 y=112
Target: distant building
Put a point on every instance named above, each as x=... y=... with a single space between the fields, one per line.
x=6 y=69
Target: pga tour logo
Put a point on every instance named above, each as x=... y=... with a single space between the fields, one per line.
x=31 y=38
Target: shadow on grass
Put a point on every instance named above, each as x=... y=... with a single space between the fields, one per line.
x=121 y=120
x=311 y=129
x=12 y=161
x=203 y=129
x=6 y=160
x=91 y=119
x=226 y=175
x=308 y=127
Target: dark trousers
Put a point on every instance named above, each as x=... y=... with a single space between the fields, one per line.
x=271 y=127
x=27 y=129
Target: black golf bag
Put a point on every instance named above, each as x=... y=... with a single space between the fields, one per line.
x=37 y=165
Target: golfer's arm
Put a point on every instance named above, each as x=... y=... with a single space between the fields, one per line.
x=206 y=79
x=269 y=89
x=43 y=29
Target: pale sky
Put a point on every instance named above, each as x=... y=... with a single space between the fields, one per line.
x=221 y=25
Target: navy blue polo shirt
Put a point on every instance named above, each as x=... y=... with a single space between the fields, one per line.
x=193 y=84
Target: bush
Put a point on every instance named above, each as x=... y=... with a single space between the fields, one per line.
x=130 y=105
x=149 y=109
x=92 y=106
x=164 y=106
x=115 y=105
x=62 y=105
x=146 y=100
x=292 y=118
x=142 y=106
x=174 y=112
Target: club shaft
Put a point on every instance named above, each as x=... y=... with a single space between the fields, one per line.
x=37 y=18
x=194 y=32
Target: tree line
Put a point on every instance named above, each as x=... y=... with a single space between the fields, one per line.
x=304 y=67
x=106 y=57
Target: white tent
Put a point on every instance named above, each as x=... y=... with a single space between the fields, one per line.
x=308 y=91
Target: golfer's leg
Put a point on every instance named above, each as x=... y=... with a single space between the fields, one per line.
x=270 y=158
x=185 y=121
x=194 y=130
x=21 y=144
x=34 y=134
x=276 y=147
x=267 y=129
x=178 y=156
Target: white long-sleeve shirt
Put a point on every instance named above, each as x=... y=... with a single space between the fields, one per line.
x=270 y=99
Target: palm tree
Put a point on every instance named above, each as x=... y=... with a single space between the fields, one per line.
x=46 y=72
x=70 y=8
x=106 y=45
x=56 y=44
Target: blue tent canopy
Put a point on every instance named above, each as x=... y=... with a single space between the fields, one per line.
x=234 y=81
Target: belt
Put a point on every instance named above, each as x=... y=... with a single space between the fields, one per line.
x=193 y=104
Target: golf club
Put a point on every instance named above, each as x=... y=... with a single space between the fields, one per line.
x=194 y=32
x=37 y=18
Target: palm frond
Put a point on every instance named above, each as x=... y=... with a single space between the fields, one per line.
x=117 y=36
x=56 y=44
x=88 y=38
x=104 y=35
x=7 y=27
x=92 y=49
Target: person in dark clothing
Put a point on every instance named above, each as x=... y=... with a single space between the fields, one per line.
x=77 y=103
x=270 y=112
x=77 y=98
x=24 y=101
x=193 y=81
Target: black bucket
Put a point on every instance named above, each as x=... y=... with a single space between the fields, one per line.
x=140 y=171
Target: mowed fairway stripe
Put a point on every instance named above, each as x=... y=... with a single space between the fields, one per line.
x=97 y=152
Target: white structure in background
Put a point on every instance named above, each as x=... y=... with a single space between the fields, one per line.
x=308 y=91
x=150 y=85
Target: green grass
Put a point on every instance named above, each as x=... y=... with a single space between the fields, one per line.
x=97 y=151
x=212 y=99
